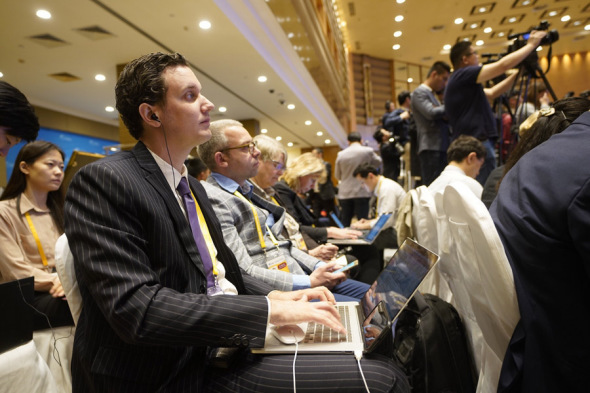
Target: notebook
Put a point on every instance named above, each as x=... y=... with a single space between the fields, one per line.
x=370 y=321
x=17 y=317
x=367 y=238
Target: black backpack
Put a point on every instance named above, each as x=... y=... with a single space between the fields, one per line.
x=430 y=342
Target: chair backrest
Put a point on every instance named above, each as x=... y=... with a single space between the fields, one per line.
x=64 y=263
x=485 y=275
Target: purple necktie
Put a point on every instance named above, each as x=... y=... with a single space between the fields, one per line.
x=191 y=209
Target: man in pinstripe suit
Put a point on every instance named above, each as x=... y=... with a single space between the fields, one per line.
x=146 y=323
x=252 y=226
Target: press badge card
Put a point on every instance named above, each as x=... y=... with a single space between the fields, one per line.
x=277 y=263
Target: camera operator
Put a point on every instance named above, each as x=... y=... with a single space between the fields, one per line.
x=467 y=101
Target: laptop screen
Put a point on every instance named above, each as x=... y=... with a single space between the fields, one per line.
x=399 y=280
x=17 y=317
x=336 y=220
x=377 y=227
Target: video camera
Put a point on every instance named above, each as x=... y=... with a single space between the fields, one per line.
x=551 y=37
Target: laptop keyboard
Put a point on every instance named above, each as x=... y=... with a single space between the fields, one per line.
x=318 y=333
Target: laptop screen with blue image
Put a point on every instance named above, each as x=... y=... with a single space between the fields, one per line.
x=378 y=226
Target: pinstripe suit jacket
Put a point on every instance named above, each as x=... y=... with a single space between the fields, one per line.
x=240 y=234
x=145 y=323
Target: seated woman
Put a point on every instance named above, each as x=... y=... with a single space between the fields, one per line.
x=31 y=220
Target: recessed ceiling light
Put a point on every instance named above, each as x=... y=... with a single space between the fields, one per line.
x=512 y=20
x=397 y=34
x=487 y=30
x=262 y=79
x=307 y=122
x=482 y=9
x=290 y=144
x=565 y=18
x=290 y=35
x=587 y=27
x=291 y=106
x=109 y=109
x=327 y=141
x=43 y=14
x=479 y=42
x=205 y=24
x=222 y=109
x=501 y=34
x=263 y=131
x=278 y=138
x=399 y=18
x=410 y=80
x=400 y=1
x=473 y=26
x=319 y=133
x=447 y=47
x=396 y=47
x=552 y=13
x=100 y=77
x=1 y=75
x=458 y=21
x=539 y=48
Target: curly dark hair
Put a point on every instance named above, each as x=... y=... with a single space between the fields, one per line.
x=17 y=114
x=141 y=81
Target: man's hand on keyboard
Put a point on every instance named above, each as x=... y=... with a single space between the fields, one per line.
x=286 y=312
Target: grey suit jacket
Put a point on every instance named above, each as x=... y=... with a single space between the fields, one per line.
x=428 y=115
x=145 y=323
x=240 y=234
x=347 y=161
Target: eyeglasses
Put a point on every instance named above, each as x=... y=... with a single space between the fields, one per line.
x=278 y=165
x=250 y=145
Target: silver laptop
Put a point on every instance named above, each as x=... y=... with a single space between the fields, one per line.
x=370 y=321
x=367 y=238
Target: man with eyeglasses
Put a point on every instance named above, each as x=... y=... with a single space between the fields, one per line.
x=467 y=101
x=252 y=226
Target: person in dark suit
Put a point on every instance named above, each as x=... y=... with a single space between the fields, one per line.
x=147 y=324
x=17 y=118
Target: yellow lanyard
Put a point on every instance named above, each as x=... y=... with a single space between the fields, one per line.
x=377 y=196
x=206 y=234
x=274 y=201
x=257 y=222
x=37 y=240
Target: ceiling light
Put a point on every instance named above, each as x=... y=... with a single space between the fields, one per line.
x=482 y=9
x=501 y=34
x=479 y=42
x=400 y=1
x=397 y=34
x=205 y=24
x=290 y=35
x=553 y=13
x=290 y=144
x=526 y=2
x=100 y=77
x=399 y=18
x=396 y=47
x=458 y=21
x=327 y=141
x=43 y=14
x=109 y=109
x=473 y=26
x=291 y=106
x=539 y=48
x=410 y=80
x=447 y=47
x=487 y=30
x=319 y=133
x=222 y=109
x=587 y=27
x=263 y=131
x=1 y=75
x=278 y=138
x=565 y=18
x=512 y=20
x=262 y=79
x=307 y=122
